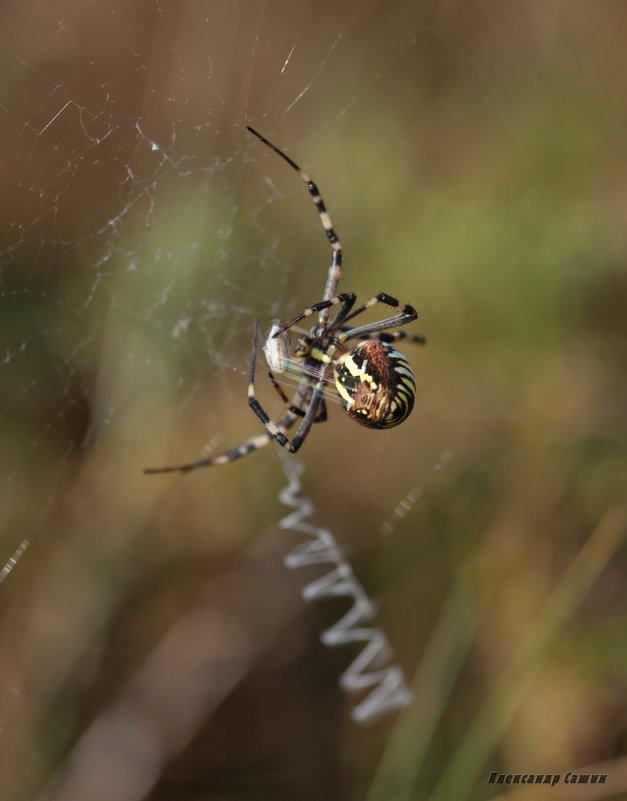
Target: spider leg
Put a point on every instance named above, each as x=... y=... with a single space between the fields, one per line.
x=282 y=394
x=312 y=415
x=275 y=430
x=335 y=270
x=271 y=427
x=406 y=314
x=253 y=443
x=294 y=409
x=389 y=336
x=248 y=446
x=321 y=417
x=346 y=299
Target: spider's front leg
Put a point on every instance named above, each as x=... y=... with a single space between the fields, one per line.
x=335 y=269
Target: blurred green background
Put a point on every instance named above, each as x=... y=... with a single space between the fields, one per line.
x=473 y=158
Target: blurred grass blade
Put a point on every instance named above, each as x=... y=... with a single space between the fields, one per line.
x=484 y=733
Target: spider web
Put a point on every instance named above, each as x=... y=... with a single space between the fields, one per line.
x=467 y=154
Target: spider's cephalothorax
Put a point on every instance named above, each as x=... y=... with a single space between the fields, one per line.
x=374 y=381
x=375 y=384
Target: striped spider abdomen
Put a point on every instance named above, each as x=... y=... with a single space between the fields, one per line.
x=376 y=384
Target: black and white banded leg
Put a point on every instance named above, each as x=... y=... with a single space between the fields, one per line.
x=406 y=314
x=335 y=270
x=389 y=336
x=252 y=443
x=346 y=300
x=297 y=410
x=248 y=446
x=275 y=430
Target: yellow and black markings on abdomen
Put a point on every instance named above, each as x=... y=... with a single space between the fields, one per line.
x=375 y=384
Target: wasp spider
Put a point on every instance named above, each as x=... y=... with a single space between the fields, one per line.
x=373 y=380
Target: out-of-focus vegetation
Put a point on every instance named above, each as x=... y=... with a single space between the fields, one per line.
x=473 y=158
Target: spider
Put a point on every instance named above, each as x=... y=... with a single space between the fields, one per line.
x=373 y=380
